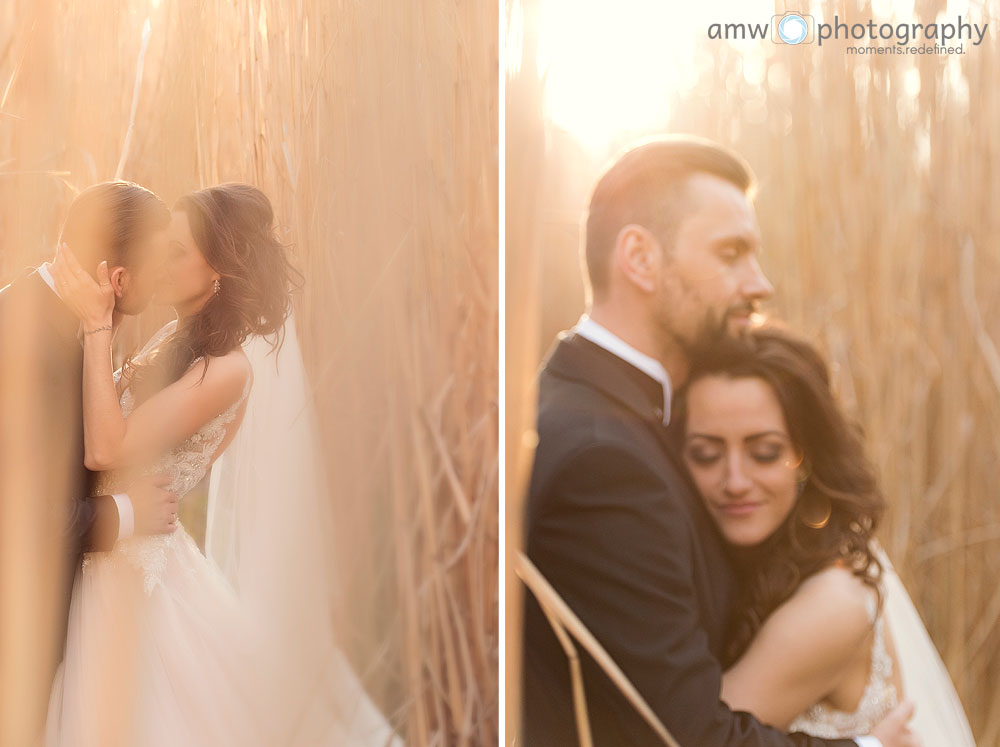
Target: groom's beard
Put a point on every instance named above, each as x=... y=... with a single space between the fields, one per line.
x=716 y=328
x=711 y=331
x=713 y=327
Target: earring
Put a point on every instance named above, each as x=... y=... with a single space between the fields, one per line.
x=814 y=511
x=216 y=286
x=796 y=463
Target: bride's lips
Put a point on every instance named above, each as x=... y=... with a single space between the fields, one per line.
x=744 y=508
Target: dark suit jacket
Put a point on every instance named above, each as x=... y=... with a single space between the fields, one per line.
x=41 y=415
x=614 y=525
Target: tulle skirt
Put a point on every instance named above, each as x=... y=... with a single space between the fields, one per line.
x=159 y=653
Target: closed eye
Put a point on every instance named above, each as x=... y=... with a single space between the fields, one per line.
x=734 y=248
x=767 y=448
x=729 y=254
x=766 y=457
x=704 y=456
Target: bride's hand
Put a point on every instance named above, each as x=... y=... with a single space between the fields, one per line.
x=92 y=302
x=894 y=730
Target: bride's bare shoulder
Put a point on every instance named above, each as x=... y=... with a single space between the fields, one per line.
x=836 y=593
x=823 y=627
x=227 y=374
x=235 y=359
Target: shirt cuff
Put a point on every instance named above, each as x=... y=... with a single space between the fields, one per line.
x=126 y=524
x=868 y=742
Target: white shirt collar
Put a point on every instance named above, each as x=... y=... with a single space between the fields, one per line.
x=44 y=274
x=605 y=338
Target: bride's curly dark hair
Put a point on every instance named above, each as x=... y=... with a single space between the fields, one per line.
x=233 y=227
x=840 y=476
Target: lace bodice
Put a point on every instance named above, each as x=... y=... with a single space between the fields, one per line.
x=879 y=697
x=187 y=462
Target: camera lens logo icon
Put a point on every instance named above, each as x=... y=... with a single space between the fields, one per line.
x=792 y=28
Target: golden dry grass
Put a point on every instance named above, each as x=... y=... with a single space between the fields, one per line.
x=878 y=211
x=373 y=128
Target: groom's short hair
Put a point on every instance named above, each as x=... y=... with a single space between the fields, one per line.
x=106 y=220
x=646 y=187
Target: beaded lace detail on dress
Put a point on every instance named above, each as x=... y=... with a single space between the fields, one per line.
x=880 y=696
x=187 y=462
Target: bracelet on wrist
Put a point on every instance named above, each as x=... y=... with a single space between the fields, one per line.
x=105 y=328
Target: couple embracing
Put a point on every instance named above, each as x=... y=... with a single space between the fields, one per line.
x=701 y=502
x=159 y=646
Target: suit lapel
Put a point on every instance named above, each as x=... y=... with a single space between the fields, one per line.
x=576 y=358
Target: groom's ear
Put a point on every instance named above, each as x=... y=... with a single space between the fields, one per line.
x=119 y=281
x=637 y=255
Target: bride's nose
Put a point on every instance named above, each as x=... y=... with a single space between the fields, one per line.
x=737 y=481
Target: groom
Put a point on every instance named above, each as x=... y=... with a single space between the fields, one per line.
x=612 y=521
x=43 y=482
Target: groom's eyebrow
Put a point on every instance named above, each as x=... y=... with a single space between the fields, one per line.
x=738 y=240
x=744 y=240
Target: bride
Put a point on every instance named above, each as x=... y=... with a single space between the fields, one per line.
x=160 y=649
x=825 y=639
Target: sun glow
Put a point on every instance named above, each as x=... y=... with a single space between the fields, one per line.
x=612 y=68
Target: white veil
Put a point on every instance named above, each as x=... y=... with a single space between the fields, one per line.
x=939 y=718
x=269 y=530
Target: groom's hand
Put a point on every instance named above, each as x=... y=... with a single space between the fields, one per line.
x=894 y=730
x=155 y=507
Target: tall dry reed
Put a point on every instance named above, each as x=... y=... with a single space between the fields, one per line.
x=524 y=181
x=373 y=128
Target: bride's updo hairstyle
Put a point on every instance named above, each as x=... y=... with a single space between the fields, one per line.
x=840 y=503
x=233 y=227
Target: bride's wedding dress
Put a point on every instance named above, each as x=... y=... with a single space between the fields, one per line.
x=161 y=651
x=939 y=718
x=879 y=696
